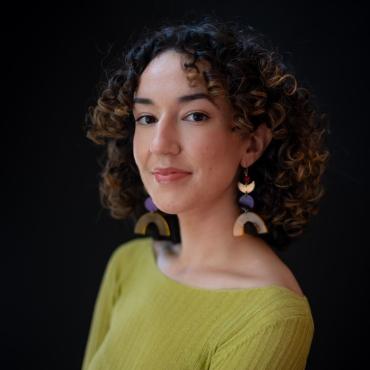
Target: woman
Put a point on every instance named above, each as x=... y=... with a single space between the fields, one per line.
x=205 y=126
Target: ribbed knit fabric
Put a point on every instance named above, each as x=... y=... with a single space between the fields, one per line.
x=145 y=320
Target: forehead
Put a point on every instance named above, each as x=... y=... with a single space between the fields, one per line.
x=166 y=80
x=167 y=70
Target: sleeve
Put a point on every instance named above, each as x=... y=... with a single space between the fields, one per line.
x=104 y=303
x=284 y=344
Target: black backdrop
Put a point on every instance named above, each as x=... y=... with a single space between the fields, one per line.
x=57 y=239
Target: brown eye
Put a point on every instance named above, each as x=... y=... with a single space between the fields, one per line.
x=198 y=116
x=145 y=122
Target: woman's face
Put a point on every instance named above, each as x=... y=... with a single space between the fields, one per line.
x=191 y=134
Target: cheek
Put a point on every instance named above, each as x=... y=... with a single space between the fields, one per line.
x=217 y=157
x=138 y=155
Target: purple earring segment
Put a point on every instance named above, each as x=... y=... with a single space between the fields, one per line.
x=246 y=200
x=149 y=205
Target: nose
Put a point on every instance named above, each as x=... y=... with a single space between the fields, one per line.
x=165 y=138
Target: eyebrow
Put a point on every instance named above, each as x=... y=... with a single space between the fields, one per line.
x=181 y=99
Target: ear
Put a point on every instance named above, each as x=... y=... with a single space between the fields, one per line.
x=255 y=144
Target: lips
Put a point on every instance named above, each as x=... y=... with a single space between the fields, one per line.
x=169 y=174
x=169 y=170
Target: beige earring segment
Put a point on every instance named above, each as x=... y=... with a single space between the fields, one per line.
x=252 y=217
x=152 y=217
x=246 y=188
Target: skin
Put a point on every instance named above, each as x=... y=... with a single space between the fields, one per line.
x=169 y=134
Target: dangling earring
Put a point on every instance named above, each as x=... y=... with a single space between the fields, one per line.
x=151 y=217
x=247 y=202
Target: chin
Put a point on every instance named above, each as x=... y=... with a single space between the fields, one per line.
x=169 y=206
x=171 y=210
x=168 y=211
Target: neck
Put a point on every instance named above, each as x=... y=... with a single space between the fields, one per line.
x=207 y=239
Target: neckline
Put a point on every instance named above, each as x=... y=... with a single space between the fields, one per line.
x=175 y=283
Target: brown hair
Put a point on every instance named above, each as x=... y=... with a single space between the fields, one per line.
x=260 y=88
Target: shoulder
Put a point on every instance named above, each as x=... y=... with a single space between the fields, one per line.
x=125 y=255
x=276 y=324
x=128 y=248
x=263 y=267
x=281 y=343
x=275 y=315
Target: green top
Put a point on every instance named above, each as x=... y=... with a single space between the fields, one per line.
x=145 y=320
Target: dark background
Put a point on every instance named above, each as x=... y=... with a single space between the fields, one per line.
x=57 y=238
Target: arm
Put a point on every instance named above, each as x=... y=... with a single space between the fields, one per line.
x=284 y=345
x=102 y=311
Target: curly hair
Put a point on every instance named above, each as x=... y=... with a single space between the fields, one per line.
x=260 y=88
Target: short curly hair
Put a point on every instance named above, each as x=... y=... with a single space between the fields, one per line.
x=260 y=88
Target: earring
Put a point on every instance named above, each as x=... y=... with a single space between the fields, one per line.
x=247 y=202
x=151 y=217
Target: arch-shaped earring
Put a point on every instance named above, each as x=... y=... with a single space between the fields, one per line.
x=152 y=217
x=247 y=202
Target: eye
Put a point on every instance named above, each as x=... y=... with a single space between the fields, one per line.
x=139 y=120
x=197 y=115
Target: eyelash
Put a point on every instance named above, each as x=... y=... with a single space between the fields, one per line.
x=148 y=115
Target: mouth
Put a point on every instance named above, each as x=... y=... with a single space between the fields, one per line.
x=170 y=175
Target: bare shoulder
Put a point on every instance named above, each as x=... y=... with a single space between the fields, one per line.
x=264 y=267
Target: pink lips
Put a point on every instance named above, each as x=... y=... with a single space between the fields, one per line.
x=169 y=174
